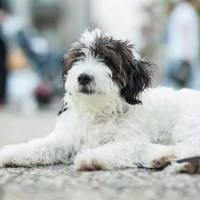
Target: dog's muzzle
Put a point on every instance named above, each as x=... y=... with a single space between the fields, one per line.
x=85 y=82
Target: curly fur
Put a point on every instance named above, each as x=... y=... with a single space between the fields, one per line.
x=111 y=118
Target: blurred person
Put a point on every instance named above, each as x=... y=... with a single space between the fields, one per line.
x=183 y=45
x=3 y=70
x=22 y=80
x=31 y=51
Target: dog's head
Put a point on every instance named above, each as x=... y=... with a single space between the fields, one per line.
x=100 y=65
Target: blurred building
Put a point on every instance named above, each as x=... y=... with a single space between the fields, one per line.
x=60 y=21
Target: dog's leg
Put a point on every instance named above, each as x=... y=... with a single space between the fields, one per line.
x=43 y=151
x=121 y=155
x=58 y=147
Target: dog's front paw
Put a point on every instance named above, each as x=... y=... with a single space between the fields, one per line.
x=87 y=162
x=162 y=162
x=158 y=156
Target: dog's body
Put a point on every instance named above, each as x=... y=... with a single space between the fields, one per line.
x=111 y=119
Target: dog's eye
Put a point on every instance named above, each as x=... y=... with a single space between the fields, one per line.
x=108 y=61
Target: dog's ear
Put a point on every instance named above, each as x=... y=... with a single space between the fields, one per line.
x=139 y=75
x=74 y=55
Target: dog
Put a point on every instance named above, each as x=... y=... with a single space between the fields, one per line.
x=112 y=118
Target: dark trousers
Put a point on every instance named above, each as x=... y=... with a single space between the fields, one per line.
x=3 y=71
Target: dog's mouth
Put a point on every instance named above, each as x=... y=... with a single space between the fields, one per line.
x=86 y=90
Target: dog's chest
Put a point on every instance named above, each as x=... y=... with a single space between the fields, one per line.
x=99 y=133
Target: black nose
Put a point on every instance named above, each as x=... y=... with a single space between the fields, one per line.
x=84 y=79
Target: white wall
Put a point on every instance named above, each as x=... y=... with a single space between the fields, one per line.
x=122 y=19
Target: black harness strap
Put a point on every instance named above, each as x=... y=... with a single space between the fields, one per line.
x=63 y=109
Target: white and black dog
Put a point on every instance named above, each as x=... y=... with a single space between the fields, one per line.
x=112 y=119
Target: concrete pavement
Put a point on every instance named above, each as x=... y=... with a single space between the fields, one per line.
x=63 y=182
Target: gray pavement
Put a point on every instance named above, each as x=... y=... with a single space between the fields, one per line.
x=63 y=182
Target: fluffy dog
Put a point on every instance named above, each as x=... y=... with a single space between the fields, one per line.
x=111 y=118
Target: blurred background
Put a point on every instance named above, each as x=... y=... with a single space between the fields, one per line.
x=35 y=34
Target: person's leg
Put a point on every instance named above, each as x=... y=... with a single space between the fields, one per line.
x=3 y=76
x=3 y=71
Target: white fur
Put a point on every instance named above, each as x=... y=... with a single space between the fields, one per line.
x=104 y=130
x=88 y=37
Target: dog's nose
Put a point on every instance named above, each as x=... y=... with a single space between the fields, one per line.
x=84 y=79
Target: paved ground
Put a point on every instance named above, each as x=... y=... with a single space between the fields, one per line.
x=62 y=182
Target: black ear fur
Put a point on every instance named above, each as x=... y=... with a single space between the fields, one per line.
x=138 y=78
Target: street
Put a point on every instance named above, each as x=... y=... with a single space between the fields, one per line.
x=63 y=182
